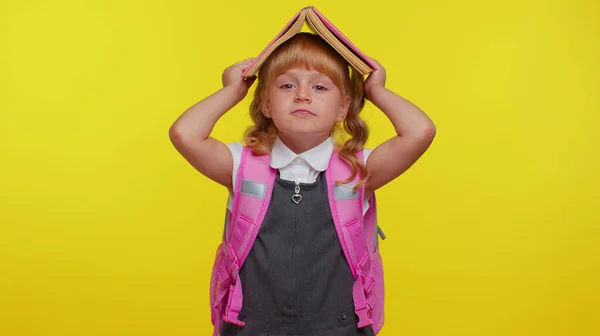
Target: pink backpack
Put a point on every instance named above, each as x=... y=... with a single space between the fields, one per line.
x=357 y=235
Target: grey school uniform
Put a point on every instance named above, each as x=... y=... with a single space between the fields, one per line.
x=296 y=280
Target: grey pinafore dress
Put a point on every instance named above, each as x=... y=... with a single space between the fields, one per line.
x=296 y=280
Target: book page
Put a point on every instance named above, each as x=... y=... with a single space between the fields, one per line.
x=319 y=28
x=343 y=39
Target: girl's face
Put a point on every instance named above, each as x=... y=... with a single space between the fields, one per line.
x=304 y=102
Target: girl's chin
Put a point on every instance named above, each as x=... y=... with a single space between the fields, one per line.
x=305 y=125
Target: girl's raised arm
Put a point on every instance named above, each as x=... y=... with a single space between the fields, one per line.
x=190 y=134
x=415 y=132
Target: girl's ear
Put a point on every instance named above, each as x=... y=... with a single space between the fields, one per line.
x=344 y=108
x=264 y=98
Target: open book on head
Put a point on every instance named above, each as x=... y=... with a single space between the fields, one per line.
x=321 y=26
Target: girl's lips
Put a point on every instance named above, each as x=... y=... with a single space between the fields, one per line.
x=303 y=112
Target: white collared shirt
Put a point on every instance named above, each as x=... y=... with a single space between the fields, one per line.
x=304 y=167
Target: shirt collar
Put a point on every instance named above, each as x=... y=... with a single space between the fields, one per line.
x=317 y=157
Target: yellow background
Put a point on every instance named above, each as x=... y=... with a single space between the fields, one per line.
x=106 y=230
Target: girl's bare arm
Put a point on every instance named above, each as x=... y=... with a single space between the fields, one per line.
x=190 y=133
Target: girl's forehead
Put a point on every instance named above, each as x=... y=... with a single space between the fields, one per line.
x=302 y=72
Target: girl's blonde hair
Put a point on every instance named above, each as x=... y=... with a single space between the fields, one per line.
x=311 y=52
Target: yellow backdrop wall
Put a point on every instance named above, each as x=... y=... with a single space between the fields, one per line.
x=106 y=230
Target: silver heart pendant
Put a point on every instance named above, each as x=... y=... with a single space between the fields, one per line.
x=297 y=198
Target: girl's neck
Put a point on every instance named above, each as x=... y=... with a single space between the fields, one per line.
x=300 y=144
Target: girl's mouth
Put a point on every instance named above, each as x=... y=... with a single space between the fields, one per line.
x=303 y=112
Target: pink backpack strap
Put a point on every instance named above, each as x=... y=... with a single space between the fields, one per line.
x=346 y=209
x=254 y=185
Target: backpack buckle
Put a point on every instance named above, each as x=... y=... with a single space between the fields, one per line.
x=232 y=310
x=364 y=264
x=364 y=315
x=369 y=284
x=233 y=257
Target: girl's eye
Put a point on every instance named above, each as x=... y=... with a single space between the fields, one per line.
x=320 y=88
x=286 y=86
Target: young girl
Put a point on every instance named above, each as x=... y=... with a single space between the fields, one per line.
x=295 y=276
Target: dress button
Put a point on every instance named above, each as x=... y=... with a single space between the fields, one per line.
x=344 y=316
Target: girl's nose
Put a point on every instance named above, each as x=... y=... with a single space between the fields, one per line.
x=302 y=95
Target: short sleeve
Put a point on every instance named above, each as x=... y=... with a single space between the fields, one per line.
x=236 y=149
x=366 y=153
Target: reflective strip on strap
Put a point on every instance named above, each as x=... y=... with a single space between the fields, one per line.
x=254 y=189
x=345 y=192
x=380 y=232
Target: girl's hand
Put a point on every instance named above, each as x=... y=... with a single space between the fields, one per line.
x=232 y=77
x=375 y=80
